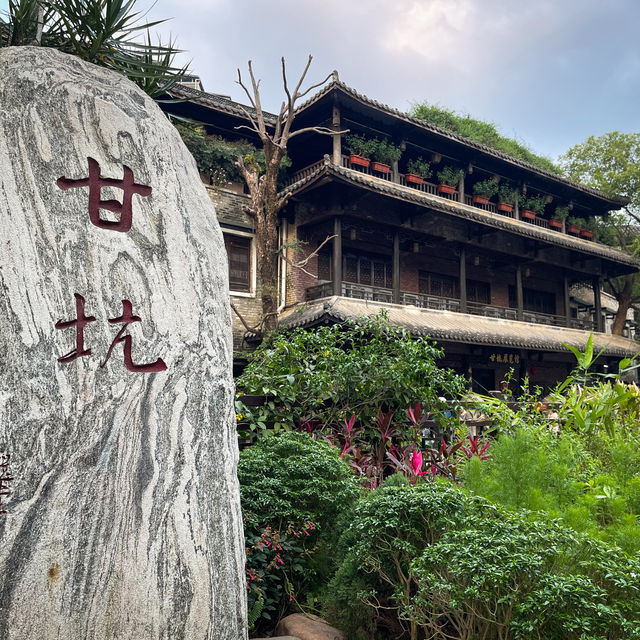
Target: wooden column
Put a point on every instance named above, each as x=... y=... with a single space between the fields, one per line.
x=597 y=303
x=567 y=302
x=463 y=281
x=519 y=293
x=337 y=138
x=337 y=256
x=461 y=189
x=396 y=267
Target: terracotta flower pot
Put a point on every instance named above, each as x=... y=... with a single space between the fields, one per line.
x=584 y=233
x=380 y=167
x=412 y=177
x=525 y=214
x=480 y=200
x=445 y=188
x=555 y=224
x=359 y=160
x=505 y=206
x=573 y=230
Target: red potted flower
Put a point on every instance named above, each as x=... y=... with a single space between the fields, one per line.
x=384 y=154
x=573 y=226
x=559 y=216
x=448 y=179
x=506 y=198
x=531 y=207
x=360 y=149
x=484 y=190
x=417 y=171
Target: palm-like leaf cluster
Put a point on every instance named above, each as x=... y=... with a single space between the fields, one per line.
x=104 y=32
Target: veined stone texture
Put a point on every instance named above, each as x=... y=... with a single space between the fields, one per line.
x=124 y=519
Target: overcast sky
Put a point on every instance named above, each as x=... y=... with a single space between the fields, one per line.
x=547 y=72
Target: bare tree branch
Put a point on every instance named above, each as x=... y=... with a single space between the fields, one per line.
x=301 y=264
x=325 y=131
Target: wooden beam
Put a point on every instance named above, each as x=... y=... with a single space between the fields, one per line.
x=597 y=303
x=567 y=301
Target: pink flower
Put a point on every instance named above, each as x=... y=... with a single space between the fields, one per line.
x=416 y=463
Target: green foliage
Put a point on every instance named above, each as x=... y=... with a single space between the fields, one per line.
x=385 y=151
x=214 y=154
x=450 y=176
x=294 y=492
x=534 y=203
x=480 y=131
x=507 y=194
x=561 y=213
x=610 y=163
x=433 y=561
x=499 y=572
x=327 y=374
x=420 y=167
x=487 y=188
x=382 y=150
x=359 y=145
x=103 y=32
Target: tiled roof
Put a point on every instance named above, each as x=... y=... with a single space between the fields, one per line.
x=220 y=103
x=445 y=133
x=462 y=211
x=446 y=326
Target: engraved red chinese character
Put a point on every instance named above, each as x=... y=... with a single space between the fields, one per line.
x=127 y=318
x=80 y=322
x=95 y=182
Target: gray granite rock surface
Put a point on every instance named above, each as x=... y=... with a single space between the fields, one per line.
x=117 y=433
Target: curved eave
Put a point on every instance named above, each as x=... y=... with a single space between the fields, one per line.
x=446 y=326
x=495 y=221
x=341 y=88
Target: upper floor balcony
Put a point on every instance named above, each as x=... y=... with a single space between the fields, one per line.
x=456 y=194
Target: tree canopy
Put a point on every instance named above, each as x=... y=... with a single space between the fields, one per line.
x=480 y=131
x=610 y=163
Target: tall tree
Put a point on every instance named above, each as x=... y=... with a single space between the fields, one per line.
x=103 y=32
x=611 y=163
x=266 y=202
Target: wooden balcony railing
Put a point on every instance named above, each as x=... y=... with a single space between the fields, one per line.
x=424 y=301
x=425 y=187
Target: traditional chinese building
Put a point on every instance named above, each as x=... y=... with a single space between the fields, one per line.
x=492 y=285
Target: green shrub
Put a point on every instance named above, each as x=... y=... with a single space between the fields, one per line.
x=327 y=374
x=294 y=491
x=487 y=188
x=433 y=561
x=450 y=176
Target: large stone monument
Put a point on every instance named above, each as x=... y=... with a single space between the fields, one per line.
x=120 y=514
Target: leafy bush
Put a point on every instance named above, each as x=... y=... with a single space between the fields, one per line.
x=359 y=145
x=433 y=561
x=450 y=176
x=484 y=132
x=487 y=188
x=507 y=194
x=327 y=374
x=214 y=154
x=294 y=491
x=534 y=203
x=420 y=167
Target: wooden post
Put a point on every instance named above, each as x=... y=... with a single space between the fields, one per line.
x=519 y=293
x=597 y=302
x=463 y=281
x=567 y=302
x=461 y=189
x=337 y=137
x=396 y=267
x=337 y=256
